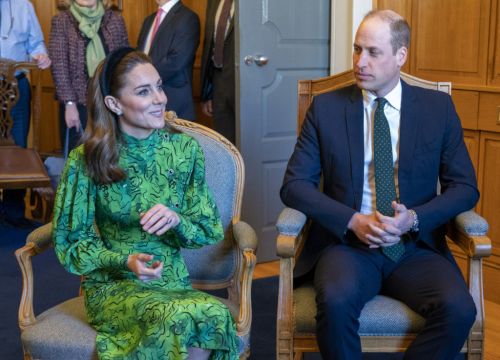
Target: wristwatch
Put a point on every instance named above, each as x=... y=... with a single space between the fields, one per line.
x=414 y=226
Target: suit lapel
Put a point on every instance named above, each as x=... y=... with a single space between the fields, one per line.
x=143 y=36
x=355 y=135
x=407 y=137
x=168 y=19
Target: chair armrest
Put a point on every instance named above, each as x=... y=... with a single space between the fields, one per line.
x=41 y=238
x=290 y=222
x=290 y=226
x=37 y=241
x=246 y=239
x=245 y=236
x=468 y=230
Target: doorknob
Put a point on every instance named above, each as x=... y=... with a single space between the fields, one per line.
x=260 y=60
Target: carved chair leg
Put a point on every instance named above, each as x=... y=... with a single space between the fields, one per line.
x=298 y=355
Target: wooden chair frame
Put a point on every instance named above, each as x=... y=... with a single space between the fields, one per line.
x=35 y=176
x=292 y=227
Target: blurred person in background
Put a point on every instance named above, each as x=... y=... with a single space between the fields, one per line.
x=82 y=33
x=170 y=37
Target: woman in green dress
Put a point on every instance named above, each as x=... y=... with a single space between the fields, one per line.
x=130 y=197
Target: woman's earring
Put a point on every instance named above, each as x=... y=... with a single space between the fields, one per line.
x=119 y=112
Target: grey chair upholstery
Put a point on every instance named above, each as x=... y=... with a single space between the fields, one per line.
x=386 y=324
x=62 y=332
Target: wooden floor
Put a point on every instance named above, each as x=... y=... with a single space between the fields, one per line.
x=492 y=310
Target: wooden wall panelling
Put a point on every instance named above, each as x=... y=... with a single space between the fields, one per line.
x=494 y=46
x=49 y=125
x=489 y=203
x=402 y=7
x=489 y=111
x=467 y=106
x=134 y=13
x=450 y=40
x=489 y=173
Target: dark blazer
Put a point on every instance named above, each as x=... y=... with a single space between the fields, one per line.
x=173 y=51
x=207 y=68
x=331 y=144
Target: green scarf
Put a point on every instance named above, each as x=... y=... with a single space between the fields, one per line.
x=89 y=21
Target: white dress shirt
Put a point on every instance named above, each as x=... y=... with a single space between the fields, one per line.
x=392 y=111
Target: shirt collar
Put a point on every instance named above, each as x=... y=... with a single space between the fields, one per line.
x=168 y=5
x=393 y=97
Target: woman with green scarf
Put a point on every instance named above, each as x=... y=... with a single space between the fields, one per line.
x=82 y=34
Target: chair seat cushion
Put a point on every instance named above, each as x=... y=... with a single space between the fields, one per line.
x=381 y=316
x=63 y=333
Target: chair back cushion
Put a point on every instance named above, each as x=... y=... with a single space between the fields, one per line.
x=223 y=166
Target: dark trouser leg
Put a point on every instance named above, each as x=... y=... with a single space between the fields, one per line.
x=74 y=136
x=223 y=102
x=432 y=286
x=345 y=279
x=13 y=200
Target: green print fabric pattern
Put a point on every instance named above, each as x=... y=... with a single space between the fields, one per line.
x=96 y=227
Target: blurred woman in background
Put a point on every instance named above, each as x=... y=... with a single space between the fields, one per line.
x=81 y=36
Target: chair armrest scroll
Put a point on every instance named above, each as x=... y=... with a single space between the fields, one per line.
x=41 y=238
x=468 y=230
x=245 y=236
x=290 y=225
x=290 y=222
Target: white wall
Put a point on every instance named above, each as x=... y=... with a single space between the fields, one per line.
x=345 y=18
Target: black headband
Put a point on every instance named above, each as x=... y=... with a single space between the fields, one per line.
x=108 y=68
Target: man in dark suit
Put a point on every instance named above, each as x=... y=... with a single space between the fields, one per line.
x=381 y=146
x=171 y=37
x=217 y=72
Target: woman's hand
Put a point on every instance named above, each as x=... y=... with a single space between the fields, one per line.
x=159 y=219
x=72 y=117
x=137 y=263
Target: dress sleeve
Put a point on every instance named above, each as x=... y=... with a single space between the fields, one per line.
x=77 y=243
x=200 y=222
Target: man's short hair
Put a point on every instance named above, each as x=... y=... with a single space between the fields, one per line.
x=400 y=30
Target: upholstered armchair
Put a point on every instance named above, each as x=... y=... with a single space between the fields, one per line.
x=386 y=324
x=62 y=332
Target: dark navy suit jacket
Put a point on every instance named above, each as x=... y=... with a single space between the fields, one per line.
x=173 y=51
x=331 y=144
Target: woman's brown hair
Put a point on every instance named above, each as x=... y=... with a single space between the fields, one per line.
x=102 y=135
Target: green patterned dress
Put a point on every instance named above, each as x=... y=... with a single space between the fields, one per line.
x=96 y=227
